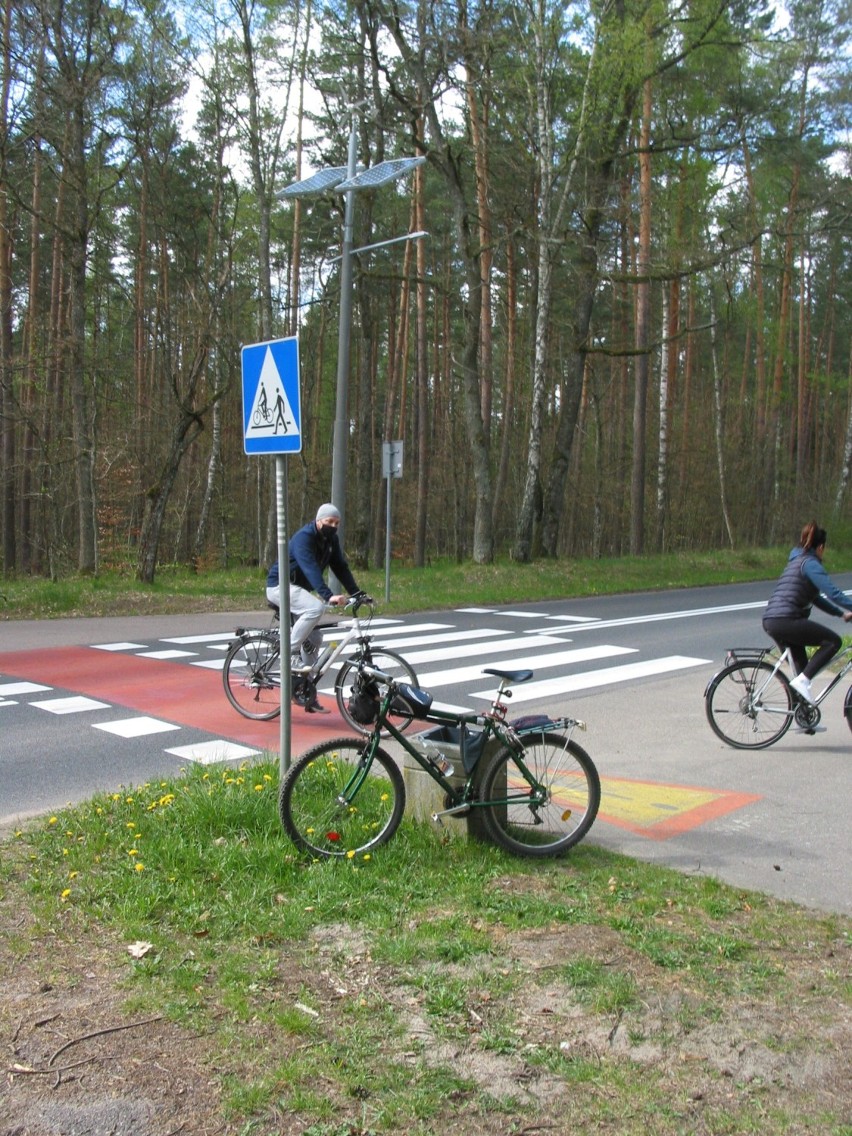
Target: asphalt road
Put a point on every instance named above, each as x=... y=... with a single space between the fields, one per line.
x=89 y=705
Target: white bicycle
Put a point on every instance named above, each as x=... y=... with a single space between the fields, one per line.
x=750 y=703
x=252 y=671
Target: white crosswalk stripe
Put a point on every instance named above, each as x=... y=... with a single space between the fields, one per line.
x=528 y=662
x=588 y=680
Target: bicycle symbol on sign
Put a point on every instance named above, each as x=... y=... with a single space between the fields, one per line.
x=263 y=414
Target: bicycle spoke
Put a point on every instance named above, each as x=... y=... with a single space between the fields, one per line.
x=335 y=803
x=555 y=814
x=749 y=705
x=252 y=675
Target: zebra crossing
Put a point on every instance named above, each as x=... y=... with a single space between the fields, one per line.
x=449 y=654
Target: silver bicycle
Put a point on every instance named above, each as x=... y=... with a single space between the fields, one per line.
x=251 y=673
x=750 y=703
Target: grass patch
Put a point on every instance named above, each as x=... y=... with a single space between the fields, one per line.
x=441 y=584
x=409 y=993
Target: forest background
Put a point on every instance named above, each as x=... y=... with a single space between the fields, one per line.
x=629 y=329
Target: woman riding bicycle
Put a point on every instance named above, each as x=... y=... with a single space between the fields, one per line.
x=805 y=583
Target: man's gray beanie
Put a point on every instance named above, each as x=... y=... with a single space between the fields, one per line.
x=326 y=511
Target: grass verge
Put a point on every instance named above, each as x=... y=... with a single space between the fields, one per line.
x=434 y=987
x=442 y=584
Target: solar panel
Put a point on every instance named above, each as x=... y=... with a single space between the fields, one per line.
x=318 y=183
x=380 y=174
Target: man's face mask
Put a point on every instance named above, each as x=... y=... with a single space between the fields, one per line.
x=328 y=530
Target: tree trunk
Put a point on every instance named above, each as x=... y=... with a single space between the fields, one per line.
x=422 y=379
x=82 y=418
x=188 y=426
x=7 y=400
x=719 y=423
x=643 y=332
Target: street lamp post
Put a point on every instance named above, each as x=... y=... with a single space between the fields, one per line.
x=340 y=447
x=348 y=181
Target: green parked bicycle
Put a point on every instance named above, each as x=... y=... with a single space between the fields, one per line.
x=537 y=795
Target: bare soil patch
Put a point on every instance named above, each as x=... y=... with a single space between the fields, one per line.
x=77 y=1063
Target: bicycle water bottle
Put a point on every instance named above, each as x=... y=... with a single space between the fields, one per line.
x=437 y=759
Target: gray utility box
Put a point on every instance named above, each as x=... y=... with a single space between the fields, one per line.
x=425 y=797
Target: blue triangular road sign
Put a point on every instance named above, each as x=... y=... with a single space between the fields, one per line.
x=272 y=416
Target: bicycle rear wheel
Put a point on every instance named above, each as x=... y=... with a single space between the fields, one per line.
x=520 y=823
x=389 y=662
x=847 y=707
x=336 y=801
x=748 y=706
x=252 y=675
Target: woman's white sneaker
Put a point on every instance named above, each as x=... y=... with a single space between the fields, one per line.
x=802 y=686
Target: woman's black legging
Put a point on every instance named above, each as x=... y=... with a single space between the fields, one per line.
x=800 y=633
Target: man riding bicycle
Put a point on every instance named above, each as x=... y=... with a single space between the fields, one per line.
x=805 y=583
x=312 y=549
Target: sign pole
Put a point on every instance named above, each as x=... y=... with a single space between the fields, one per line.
x=391 y=467
x=272 y=424
x=285 y=733
x=388 y=542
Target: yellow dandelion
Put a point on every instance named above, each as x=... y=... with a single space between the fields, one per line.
x=53 y=820
x=73 y=875
x=259 y=788
x=139 y=867
x=350 y=855
x=64 y=851
x=132 y=851
x=267 y=777
x=65 y=893
x=367 y=856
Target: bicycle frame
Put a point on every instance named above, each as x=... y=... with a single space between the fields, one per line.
x=492 y=723
x=334 y=651
x=745 y=655
x=355 y=634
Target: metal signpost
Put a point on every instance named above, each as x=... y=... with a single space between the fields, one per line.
x=391 y=468
x=272 y=424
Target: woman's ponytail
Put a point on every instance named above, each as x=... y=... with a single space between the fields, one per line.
x=812 y=536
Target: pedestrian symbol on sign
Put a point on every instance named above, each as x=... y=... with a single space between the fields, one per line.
x=271 y=410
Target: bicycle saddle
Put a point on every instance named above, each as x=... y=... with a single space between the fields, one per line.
x=512 y=676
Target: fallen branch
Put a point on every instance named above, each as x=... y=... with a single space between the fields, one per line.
x=101 y=1033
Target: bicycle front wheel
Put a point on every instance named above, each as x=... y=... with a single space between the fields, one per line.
x=552 y=817
x=847 y=707
x=336 y=801
x=252 y=675
x=388 y=662
x=748 y=706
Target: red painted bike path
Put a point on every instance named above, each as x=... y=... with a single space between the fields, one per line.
x=177 y=693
